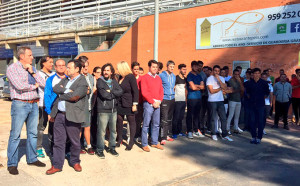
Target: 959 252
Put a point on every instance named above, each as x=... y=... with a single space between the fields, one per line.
x=284 y=15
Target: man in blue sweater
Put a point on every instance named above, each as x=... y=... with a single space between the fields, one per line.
x=167 y=106
x=50 y=96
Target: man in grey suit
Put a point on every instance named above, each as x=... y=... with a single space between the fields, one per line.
x=69 y=113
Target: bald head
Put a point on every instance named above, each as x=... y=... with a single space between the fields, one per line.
x=60 y=66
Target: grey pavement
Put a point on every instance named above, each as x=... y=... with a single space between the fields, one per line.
x=200 y=161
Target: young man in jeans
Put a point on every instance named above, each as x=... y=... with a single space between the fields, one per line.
x=216 y=86
x=167 y=106
x=235 y=101
x=194 y=85
x=153 y=93
x=108 y=92
x=180 y=103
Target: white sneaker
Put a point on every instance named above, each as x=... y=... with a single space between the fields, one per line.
x=240 y=130
x=220 y=130
x=190 y=135
x=265 y=133
x=198 y=134
x=214 y=137
x=229 y=133
x=228 y=138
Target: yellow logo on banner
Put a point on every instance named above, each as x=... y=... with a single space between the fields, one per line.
x=205 y=33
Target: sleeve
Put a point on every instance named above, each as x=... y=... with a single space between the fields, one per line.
x=201 y=79
x=78 y=93
x=161 y=92
x=103 y=92
x=59 y=88
x=47 y=95
x=40 y=80
x=209 y=81
x=134 y=90
x=18 y=82
x=145 y=90
x=189 y=78
x=117 y=91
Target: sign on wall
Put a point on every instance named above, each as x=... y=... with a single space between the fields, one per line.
x=63 y=48
x=6 y=53
x=244 y=64
x=271 y=26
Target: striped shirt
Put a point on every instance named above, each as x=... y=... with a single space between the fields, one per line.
x=19 y=85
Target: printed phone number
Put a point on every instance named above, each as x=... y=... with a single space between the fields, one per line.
x=285 y=15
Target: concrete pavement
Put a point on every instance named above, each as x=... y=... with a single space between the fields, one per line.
x=200 y=161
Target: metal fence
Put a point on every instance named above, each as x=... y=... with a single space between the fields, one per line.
x=27 y=18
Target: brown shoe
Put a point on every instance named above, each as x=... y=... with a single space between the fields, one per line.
x=52 y=170
x=90 y=151
x=158 y=146
x=77 y=167
x=146 y=149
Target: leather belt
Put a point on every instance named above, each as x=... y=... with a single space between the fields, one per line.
x=28 y=101
x=64 y=113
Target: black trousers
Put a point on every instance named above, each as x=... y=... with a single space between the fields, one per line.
x=296 y=108
x=139 y=120
x=132 y=127
x=281 y=109
x=166 y=116
x=192 y=115
x=204 y=114
x=178 y=116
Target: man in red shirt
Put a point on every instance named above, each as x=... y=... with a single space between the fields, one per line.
x=281 y=71
x=296 y=95
x=153 y=93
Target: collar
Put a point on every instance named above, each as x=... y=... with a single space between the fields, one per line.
x=152 y=75
x=74 y=79
x=59 y=77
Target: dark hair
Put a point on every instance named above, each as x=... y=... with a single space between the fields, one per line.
x=193 y=63
x=181 y=66
x=134 y=64
x=265 y=71
x=264 y=74
x=170 y=62
x=205 y=67
x=141 y=69
x=256 y=70
x=96 y=68
x=225 y=67
x=200 y=62
x=281 y=70
x=238 y=67
x=217 y=66
x=44 y=60
x=160 y=65
x=235 y=70
x=77 y=63
x=297 y=70
x=153 y=62
x=282 y=75
x=248 y=72
x=209 y=68
x=111 y=68
x=83 y=60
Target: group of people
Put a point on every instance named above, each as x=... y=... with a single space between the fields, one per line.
x=83 y=110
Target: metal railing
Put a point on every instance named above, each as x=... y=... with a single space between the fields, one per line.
x=28 y=18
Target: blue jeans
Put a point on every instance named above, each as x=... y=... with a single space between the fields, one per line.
x=22 y=112
x=104 y=120
x=150 y=114
x=218 y=109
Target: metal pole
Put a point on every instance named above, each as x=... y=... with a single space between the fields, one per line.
x=156 y=21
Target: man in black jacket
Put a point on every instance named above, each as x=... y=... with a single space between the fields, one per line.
x=108 y=91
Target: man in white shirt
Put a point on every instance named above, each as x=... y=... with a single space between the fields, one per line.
x=216 y=86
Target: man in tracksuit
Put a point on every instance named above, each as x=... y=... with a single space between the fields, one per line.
x=167 y=106
x=50 y=96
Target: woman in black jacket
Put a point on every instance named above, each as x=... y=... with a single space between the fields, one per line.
x=127 y=103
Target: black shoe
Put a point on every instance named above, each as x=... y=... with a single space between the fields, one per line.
x=128 y=148
x=118 y=144
x=13 y=170
x=38 y=164
x=275 y=127
x=286 y=127
x=113 y=152
x=253 y=141
x=100 y=155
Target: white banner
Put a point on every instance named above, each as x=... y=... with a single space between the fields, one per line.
x=271 y=26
